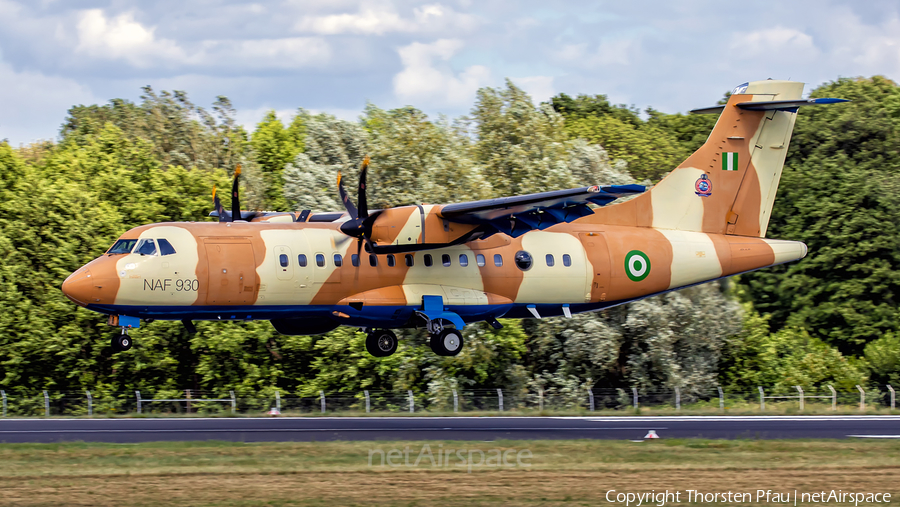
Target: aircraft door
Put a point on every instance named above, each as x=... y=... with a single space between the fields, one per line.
x=232 y=278
x=284 y=263
x=598 y=275
x=305 y=260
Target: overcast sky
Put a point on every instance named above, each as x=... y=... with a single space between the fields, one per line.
x=335 y=55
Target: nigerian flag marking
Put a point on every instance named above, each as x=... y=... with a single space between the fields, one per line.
x=729 y=161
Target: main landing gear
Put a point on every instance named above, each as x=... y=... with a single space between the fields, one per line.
x=381 y=342
x=447 y=342
x=444 y=342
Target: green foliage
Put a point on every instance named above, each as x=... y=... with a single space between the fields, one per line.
x=179 y=132
x=121 y=165
x=839 y=196
x=883 y=356
x=522 y=148
x=787 y=358
x=650 y=152
x=274 y=147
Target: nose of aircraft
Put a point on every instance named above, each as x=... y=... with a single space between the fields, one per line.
x=78 y=286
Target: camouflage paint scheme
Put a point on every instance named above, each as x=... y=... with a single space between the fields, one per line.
x=679 y=233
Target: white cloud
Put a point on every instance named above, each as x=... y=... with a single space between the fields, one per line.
x=773 y=41
x=285 y=53
x=539 y=87
x=35 y=104
x=619 y=51
x=426 y=75
x=122 y=38
x=382 y=19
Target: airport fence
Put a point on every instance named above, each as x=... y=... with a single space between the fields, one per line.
x=100 y=402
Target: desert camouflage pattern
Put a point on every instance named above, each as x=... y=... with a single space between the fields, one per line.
x=706 y=220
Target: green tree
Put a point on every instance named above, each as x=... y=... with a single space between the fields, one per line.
x=274 y=147
x=521 y=147
x=786 y=358
x=839 y=195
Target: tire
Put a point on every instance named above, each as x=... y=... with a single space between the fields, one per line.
x=448 y=342
x=381 y=343
x=121 y=343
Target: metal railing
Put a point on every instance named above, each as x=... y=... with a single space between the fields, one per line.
x=578 y=399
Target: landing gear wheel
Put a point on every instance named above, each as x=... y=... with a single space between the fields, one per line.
x=121 y=343
x=448 y=342
x=381 y=342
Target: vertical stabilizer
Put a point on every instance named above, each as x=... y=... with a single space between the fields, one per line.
x=727 y=186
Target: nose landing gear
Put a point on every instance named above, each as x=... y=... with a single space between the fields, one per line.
x=121 y=342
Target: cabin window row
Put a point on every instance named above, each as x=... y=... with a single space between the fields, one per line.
x=522 y=259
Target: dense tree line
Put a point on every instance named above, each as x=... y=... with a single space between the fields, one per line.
x=831 y=317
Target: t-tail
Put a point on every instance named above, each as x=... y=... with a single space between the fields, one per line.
x=727 y=186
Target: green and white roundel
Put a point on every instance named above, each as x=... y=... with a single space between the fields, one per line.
x=637 y=265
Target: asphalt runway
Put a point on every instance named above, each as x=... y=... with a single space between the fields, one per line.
x=304 y=429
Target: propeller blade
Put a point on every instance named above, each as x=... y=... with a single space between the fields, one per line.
x=235 y=198
x=223 y=215
x=345 y=198
x=361 y=194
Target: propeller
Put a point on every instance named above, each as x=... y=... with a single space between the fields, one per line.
x=360 y=223
x=225 y=216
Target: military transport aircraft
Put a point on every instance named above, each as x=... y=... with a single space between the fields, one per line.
x=440 y=267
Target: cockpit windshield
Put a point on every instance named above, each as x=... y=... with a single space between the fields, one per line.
x=123 y=246
x=146 y=247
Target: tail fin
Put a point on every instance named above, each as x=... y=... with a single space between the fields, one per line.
x=727 y=186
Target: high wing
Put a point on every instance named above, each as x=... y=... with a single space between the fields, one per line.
x=424 y=227
x=519 y=214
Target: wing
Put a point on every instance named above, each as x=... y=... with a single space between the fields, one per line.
x=519 y=214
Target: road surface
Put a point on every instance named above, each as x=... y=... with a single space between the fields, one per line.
x=242 y=429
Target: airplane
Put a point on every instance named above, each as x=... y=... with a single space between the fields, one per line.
x=442 y=267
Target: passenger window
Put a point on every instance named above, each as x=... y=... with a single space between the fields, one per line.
x=146 y=247
x=354 y=259
x=428 y=260
x=567 y=261
x=338 y=260
x=479 y=259
x=498 y=260
x=391 y=260
x=283 y=260
x=373 y=260
x=301 y=260
x=165 y=248
x=463 y=260
x=445 y=260
x=410 y=261
x=320 y=260
x=550 y=260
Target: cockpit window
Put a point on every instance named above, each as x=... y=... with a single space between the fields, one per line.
x=146 y=247
x=165 y=248
x=123 y=246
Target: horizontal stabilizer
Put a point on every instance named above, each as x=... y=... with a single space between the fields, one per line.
x=771 y=105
